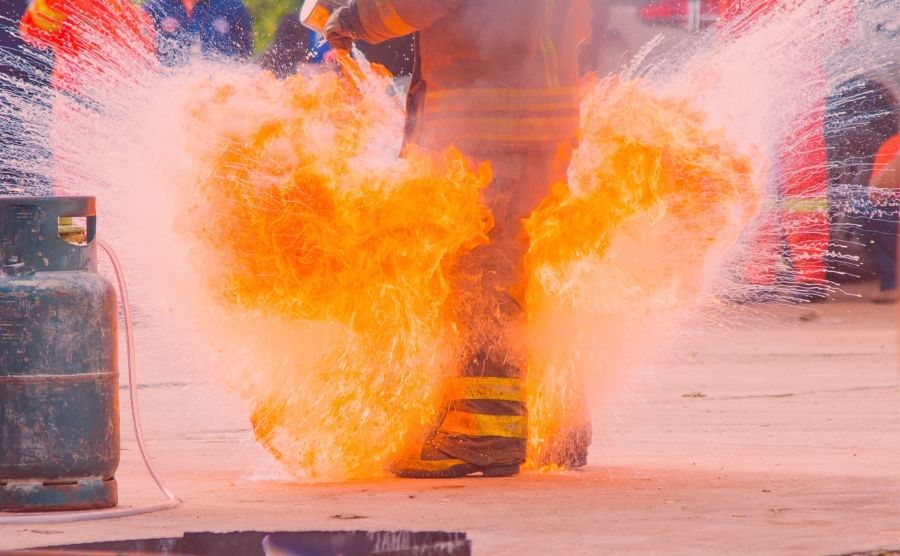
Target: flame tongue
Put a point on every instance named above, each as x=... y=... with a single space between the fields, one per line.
x=327 y=225
x=655 y=200
x=324 y=227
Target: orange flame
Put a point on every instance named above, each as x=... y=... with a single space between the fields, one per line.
x=651 y=176
x=308 y=214
x=308 y=222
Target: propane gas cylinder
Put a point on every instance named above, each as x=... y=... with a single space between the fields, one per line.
x=59 y=412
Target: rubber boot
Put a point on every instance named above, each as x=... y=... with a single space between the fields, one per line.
x=483 y=431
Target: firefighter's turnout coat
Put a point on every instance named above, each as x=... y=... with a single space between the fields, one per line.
x=501 y=73
x=497 y=79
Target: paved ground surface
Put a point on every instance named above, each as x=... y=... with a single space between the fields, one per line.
x=778 y=434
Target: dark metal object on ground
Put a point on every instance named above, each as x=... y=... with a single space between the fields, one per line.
x=306 y=543
x=59 y=422
x=877 y=552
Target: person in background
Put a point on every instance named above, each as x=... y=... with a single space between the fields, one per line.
x=883 y=243
x=860 y=118
x=619 y=32
x=293 y=45
x=88 y=39
x=605 y=50
x=799 y=179
x=23 y=71
x=186 y=28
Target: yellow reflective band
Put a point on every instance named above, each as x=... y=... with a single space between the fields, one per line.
x=478 y=424
x=571 y=92
x=46 y=17
x=430 y=466
x=435 y=107
x=548 y=49
x=484 y=137
x=544 y=115
x=501 y=129
x=528 y=102
x=815 y=204
x=487 y=388
x=387 y=12
x=490 y=123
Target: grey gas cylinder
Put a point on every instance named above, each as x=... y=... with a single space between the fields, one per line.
x=59 y=380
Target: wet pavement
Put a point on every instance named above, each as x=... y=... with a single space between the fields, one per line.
x=775 y=431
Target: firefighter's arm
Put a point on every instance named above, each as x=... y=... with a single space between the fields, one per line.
x=376 y=21
x=380 y=20
x=42 y=22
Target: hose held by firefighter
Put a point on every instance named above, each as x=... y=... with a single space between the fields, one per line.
x=498 y=81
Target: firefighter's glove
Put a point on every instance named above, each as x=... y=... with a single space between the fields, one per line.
x=341 y=30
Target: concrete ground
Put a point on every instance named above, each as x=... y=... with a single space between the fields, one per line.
x=778 y=434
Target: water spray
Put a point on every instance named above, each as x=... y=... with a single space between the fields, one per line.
x=281 y=205
x=314 y=15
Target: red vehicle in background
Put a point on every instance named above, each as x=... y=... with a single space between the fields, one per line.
x=686 y=13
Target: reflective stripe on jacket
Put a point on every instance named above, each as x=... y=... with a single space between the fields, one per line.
x=805 y=204
x=498 y=72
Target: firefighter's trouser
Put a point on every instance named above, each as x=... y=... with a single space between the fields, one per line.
x=486 y=421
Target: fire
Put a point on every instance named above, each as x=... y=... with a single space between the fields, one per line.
x=654 y=200
x=332 y=257
x=313 y=217
x=307 y=215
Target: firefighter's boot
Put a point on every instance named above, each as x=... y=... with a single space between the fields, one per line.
x=432 y=463
x=484 y=429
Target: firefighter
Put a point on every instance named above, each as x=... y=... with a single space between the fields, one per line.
x=95 y=44
x=498 y=81
x=801 y=183
x=883 y=229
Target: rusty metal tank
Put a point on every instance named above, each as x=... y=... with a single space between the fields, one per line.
x=59 y=383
